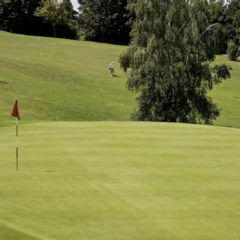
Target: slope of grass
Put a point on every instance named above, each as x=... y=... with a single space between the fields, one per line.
x=7 y=233
x=121 y=180
x=227 y=95
x=57 y=79
x=61 y=79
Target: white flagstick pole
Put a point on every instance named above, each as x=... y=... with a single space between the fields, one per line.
x=16 y=143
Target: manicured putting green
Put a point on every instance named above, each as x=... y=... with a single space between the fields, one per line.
x=124 y=181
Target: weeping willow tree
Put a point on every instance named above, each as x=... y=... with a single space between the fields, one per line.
x=170 y=59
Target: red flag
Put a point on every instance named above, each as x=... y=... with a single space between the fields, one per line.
x=15 y=112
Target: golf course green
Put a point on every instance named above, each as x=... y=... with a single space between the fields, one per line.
x=87 y=173
x=126 y=181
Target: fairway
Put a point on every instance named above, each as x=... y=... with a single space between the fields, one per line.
x=59 y=79
x=121 y=181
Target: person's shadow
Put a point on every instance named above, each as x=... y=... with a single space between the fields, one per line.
x=117 y=76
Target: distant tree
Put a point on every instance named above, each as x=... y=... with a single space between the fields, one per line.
x=18 y=16
x=170 y=59
x=69 y=25
x=105 y=21
x=53 y=11
x=217 y=11
x=71 y=13
x=10 y=14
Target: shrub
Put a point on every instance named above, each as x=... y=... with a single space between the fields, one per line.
x=233 y=51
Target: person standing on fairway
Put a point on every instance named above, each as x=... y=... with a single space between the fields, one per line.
x=111 y=68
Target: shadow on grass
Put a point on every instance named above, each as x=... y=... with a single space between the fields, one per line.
x=7 y=233
x=3 y=82
x=117 y=76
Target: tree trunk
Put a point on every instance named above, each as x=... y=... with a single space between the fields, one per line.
x=54 y=31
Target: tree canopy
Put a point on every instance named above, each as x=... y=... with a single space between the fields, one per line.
x=170 y=59
x=105 y=21
x=53 y=11
x=19 y=16
x=233 y=19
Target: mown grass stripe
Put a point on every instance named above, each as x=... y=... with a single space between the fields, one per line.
x=7 y=233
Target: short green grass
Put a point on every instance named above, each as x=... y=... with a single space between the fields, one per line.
x=8 y=233
x=227 y=95
x=120 y=180
x=58 y=79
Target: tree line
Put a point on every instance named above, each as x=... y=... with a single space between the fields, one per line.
x=24 y=16
x=108 y=21
x=103 y=21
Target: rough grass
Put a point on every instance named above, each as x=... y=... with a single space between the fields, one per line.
x=121 y=180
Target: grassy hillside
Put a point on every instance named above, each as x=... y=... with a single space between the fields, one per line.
x=57 y=79
x=227 y=95
x=124 y=181
x=61 y=79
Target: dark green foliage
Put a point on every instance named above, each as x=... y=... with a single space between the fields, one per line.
x=233 y=17
x=228 y=17
x=105 y=21
x=71 y=13
x=53 y=12
x=70 y=23
x=18 y=16
x=61 y=16
x=233 y=51
x=125 y=59
x=217 y=10
x=169 y=57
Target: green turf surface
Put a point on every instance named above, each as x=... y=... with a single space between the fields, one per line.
x=58 y=79
x=7 y=233
x=120 y=180
x=227 y=95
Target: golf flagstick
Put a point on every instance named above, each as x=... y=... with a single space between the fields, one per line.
x=17 y=144
x=15 y=113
